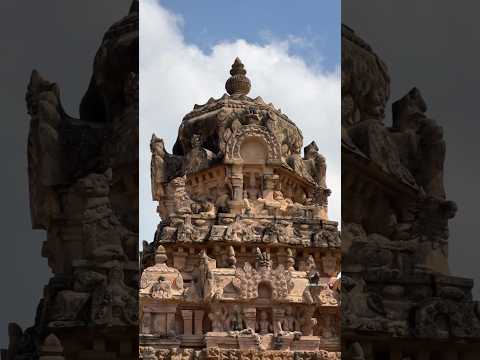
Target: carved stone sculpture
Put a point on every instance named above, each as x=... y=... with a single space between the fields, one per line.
x=244 y=253
x=396 y=286
x=83 y=176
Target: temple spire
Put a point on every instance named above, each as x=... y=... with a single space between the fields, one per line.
x=238 y=84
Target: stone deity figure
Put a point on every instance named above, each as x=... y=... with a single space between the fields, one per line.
x=235 y=230
x=316 y=164
x=308 y=321
x=298 y=165
x=218 y=317
x=237 y=319
x=289 y=323
x=311 y=269
x=157 y=166
x=423 y=138
x=115 y=303
x=162 y=289
x=263 y=324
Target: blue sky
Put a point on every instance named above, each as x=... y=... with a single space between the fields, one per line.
x=316 y=22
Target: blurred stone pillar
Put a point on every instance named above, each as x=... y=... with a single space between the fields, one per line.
x=198 y=329
x=423 y=355
x=396 y=354
x=146 y=323
x=187 y=322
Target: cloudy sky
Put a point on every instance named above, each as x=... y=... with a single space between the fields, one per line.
x=292 y=58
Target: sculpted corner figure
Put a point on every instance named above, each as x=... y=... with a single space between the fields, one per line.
x=158 y=167
x=316 y=163
x=422 y=139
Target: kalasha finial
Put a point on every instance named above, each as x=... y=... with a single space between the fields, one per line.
x=237 y=84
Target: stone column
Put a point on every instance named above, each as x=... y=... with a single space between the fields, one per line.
x=327 y=327
x=237 y=182
x=423 y=355
x=269 y=186
x=198 y=329
x=187 y=322
x=160 y=324
x=250 y=316
x=146 y=323
x=395 y=354
x=236 y=178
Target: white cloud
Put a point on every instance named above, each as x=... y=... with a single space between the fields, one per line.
x=175 y=75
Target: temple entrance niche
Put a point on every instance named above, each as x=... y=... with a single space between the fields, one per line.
x=264 y=316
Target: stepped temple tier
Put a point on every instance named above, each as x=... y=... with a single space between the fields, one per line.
x=399 y=300
x=245 y=262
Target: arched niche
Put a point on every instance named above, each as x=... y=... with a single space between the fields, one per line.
x=264 y=291
x=252 y=144
x=254 y=151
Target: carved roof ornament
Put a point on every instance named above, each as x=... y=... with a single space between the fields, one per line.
x=238 y=84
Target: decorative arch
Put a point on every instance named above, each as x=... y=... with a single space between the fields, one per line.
x=259 y=137
x=249 y=280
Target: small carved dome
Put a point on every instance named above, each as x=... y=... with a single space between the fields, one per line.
x=238 y=84
x=51 y=345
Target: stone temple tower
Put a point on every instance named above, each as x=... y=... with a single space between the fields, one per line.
x=399 y=300
x=245 y=262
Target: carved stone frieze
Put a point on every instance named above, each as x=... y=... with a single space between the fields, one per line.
x=245 y=256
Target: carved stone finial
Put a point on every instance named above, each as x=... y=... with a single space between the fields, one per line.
x=161 y=255
x=51 y=348
x=238 y=84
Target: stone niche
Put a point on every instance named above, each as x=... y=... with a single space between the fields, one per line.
x=245 y=260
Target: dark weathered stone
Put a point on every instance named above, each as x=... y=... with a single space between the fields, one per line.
x=84 y=192
x=399 y=300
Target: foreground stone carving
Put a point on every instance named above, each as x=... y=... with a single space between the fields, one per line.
x=399 y=300
x=83 y=192
x=244 y=263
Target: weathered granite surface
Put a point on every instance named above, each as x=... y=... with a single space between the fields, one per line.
x=83 y=177
x=244 y=263
x=399 y=300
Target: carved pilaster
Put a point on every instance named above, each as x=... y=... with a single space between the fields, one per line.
x=199 y=322
x=187 y=316
x=146 y=323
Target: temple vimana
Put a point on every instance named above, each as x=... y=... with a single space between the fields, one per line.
x=399 y=300
x=245 y=263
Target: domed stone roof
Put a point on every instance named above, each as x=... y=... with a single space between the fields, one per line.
x=212 y=119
